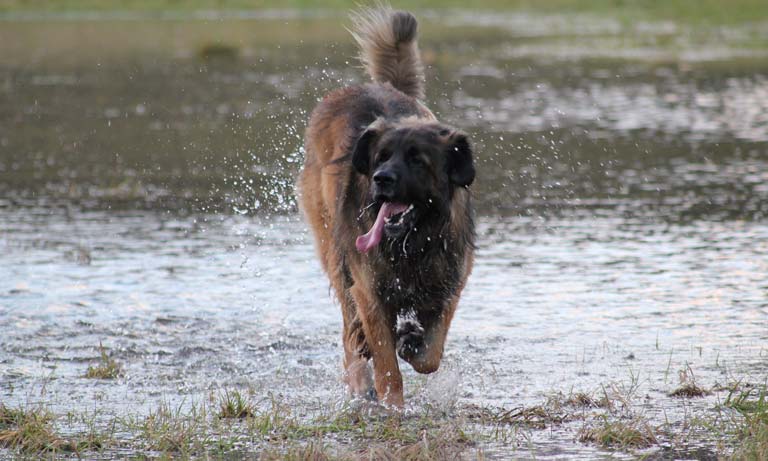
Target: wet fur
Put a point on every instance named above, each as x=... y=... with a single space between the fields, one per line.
x=388 y=48
x=425 y=270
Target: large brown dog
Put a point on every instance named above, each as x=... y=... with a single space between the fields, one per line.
x=385 y=189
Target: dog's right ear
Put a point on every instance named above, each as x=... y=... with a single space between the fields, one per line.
x=361 y=152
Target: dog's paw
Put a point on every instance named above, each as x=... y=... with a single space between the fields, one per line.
x=410 y=346
x=410 y=338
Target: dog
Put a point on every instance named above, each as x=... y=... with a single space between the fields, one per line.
x=385 y=190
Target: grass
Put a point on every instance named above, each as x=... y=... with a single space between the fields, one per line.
x=275 y=432
x=270 y=428
x=107 y=368
x=617 y=425
x=30 y=430
x=752 y=405
x=740 y=424
x=27 y=430
x=610 y=433
x=684 y=11
x=688 y=387
x=689 y=390
x=233 y=424
x=312 y=451
x=232 y=404
x=754 y=445
x=166 y=430
x=447 y=443
x=608 y=421
x=537 y=417
x=584 y=400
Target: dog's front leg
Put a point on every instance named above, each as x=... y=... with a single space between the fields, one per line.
x=377 y=325
x=423 y=348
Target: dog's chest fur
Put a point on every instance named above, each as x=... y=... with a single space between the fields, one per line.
x=419 y=272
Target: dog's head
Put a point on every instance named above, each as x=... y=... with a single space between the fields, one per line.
x=414 y=168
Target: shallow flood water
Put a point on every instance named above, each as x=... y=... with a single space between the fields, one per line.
x=146 y=181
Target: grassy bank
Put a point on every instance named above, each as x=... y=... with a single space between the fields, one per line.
x=706 y=12
x=233 y=424
x=248 y=422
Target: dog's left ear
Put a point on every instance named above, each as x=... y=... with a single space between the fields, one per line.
x=461 y=168
x=361 y=152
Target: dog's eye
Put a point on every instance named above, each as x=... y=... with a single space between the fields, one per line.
x=384 y=155
x=417 y=160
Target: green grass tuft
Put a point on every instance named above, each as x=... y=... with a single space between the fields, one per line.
x=232 y=404
x=170 y=430
x=752 y=404
x=31 y=431
x=107 y=368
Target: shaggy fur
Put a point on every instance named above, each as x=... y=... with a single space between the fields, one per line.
x=399 y=297
x=388 y=48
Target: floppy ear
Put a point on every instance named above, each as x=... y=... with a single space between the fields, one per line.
x=361 y=152
x=461 y=169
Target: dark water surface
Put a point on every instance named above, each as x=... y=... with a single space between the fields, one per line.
x=146 y=202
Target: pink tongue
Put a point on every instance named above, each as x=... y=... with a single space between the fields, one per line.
x=373 y=237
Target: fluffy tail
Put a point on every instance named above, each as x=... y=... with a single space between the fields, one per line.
x=388 y=47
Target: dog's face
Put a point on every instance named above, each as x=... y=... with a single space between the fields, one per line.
x=413 y=171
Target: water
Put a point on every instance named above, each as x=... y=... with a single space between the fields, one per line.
x=146 y=202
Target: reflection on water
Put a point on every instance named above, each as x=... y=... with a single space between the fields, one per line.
x=146 y=200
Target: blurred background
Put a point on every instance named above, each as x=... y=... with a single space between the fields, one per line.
x=645 y=106
x=148 y=150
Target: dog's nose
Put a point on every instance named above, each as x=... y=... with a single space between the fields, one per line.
x=384 y=178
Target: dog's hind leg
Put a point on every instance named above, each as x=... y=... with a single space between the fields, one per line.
x=357 y=372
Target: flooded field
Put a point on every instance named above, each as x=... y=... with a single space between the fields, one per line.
x=146 y=205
